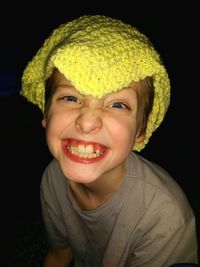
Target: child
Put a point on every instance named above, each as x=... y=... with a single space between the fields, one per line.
x=104 y=90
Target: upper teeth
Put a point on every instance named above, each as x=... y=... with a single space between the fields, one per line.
x=84 y=151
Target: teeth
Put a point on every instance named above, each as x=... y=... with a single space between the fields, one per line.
x=84 y=151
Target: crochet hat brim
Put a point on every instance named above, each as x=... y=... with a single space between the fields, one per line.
x=99 y=55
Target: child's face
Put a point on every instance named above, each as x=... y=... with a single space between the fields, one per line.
x=90 y=137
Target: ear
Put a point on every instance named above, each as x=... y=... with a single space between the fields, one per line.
x=44 y=122
x=139 y=138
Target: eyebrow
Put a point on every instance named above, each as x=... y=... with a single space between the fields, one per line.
x=68 y=87
x=65 y=86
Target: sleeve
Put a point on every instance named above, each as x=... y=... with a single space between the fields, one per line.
x=51 y=213
x=168 y=239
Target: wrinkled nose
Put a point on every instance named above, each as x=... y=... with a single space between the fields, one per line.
x=89 y=120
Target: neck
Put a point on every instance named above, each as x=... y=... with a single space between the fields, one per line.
x=91 y=196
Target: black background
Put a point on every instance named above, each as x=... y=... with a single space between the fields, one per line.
x=173 y=29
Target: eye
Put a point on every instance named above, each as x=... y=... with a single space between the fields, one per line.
x=119 y=105
x=70 y=98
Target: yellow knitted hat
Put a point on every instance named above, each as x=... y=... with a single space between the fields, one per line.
x=99 y=55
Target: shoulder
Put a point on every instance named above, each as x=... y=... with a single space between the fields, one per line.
x=52 y=166
x=159 y=191
x=52 y=176
x=143 y=167
x=152 y=174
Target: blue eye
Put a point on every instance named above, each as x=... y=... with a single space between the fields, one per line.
x=119 y=105
x=71 y=98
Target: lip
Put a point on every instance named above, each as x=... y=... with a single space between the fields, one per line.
x=85 y=160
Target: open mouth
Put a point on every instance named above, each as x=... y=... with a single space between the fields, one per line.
x=84 y=152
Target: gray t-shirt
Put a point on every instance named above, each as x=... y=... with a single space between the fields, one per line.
x=146 y=222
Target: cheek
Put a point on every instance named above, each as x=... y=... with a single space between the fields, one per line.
x=57 y=120
x=55 y=125
x=123 y=131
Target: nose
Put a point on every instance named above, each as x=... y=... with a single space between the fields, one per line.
x=89 y=120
